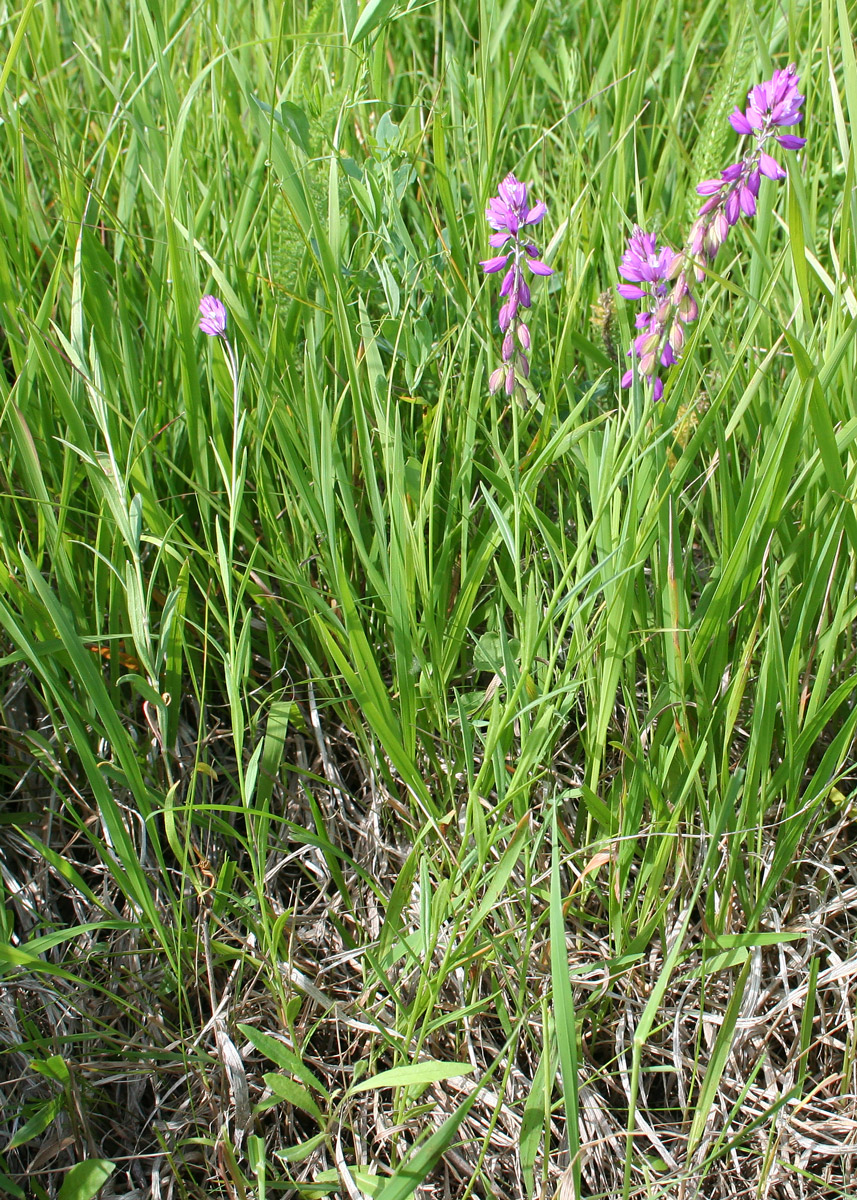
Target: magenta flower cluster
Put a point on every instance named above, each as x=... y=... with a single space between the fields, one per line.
x=659 y=275
x=510 y=216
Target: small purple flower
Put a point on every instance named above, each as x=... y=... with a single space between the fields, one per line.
x=511 y=217
x=644 y=262
x=212 y=316
x=770 y=167
x=772 y=104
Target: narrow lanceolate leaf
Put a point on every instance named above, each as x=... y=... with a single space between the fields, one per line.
x=36 y=1125
x=408 y=1177
x=565 y=1027
x=414 y=1075
x=533 y=1121
x=717 y=1061
x=280 y=1054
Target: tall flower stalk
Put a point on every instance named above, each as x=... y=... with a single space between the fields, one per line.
x=659 y=275
x=510 y=216
x=212 y=321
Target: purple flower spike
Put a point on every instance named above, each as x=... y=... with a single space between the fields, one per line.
x=212 y=316
x=510 y=216
x=659 y=276
x=774 y=105
x=643 y=262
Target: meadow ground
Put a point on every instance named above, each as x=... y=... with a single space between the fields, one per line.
x=410 y=787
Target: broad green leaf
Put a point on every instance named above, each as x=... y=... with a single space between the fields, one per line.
x=55 y=1068
x=286 y=1089
x=86 y=1179
x=374 y=14
x=297 y=1154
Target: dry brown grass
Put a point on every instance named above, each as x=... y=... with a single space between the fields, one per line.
x=163 y=1082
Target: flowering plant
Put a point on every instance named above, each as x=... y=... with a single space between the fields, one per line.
x=659 y=275
x=510 y=216
x=212 y=321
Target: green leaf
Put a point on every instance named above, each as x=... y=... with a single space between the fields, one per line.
x=11 y=1188
x=297 y=1154
x=86 y=1179
x=533 y=1123
x=285 y=1088
x=398 y=898
x=375 y=12
x=12 y=52
x=565 y=1025
x=411 y=1174
x=386 y=131
x=717 y=1062
x=414 y=1074
x=54 y=1068
x=279 y=715
x=36 y=1125
x=296 y=123
x=280 y=1054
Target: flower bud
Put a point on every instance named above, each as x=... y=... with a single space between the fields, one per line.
x=495 y=381
x=678 y=265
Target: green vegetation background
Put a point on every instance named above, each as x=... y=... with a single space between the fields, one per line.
x=384 y=719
